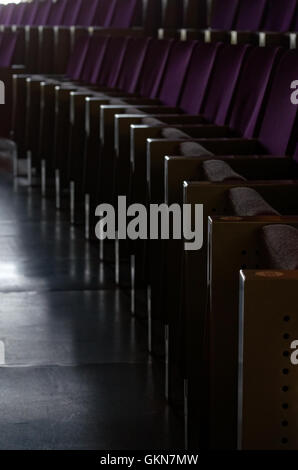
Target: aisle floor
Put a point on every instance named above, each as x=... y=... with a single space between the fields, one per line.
x=75 y=372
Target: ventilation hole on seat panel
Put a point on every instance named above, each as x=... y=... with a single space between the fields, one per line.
x=284 y=440
x=285 y=406
x=285 y=388
x=286 y=318
x=286 y=353
x=285 y=371
x=286 y=336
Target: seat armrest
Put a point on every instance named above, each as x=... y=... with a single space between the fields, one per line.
x=273 y=38
x=244 y=37
x=179 y=168
x=167 y=33
x=239 y=237
x=108 y=112
x=265 y=297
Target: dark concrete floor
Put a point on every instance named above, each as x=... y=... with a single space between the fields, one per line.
x=76 y=373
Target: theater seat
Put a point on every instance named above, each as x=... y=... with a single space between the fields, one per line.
x=276 y=134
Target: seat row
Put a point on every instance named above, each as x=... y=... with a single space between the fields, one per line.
x=165 y=121
x=240 y=20
x=169 y=13
x=63 y=13
x=49 y=33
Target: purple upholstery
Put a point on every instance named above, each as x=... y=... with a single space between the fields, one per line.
x=30 y=14
x=197 y=78
x=124 y=13
x=57 y=12
x=71 y=12
x=223 y=82
x=279 y=15
x=87 y=12
x=175 y=71
x=253 y=83
x=111 y=66
x=250 y=15
x=280 y=244
x=223 y=14
x=154 y=66
x=94 y=58
x=78 y=56
x=104 y=13
x=43 y=13
x=8 y=13
x=280 y=116
x=7 y=50
x=18 y=14
x=133 y=63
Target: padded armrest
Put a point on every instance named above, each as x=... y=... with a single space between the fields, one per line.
x=281 y=246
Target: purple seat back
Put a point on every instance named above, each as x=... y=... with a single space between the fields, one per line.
x=30 y=13
x=279 y=124
x=111 y=66
x=223 y=14
x=71 y=12
x=125 y=13
x=77 y=58
x=250 y=15
x=7 y=49
x=87 y=12
x=153 y=68
x=132 y=64
x=95 y=55
x=104 y=13
x=8 y=13
x=57 y=12
x=253 y=84
x=223 y=82
x=197 y=77
x=43 y=13
x=18 y=13
x=279 y=15
x=175 y=71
